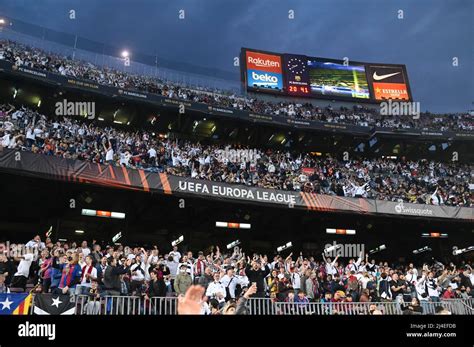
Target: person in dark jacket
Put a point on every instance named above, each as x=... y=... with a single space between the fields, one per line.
x=112 y=274
x=256 y=274
x=157 y=285
x=206 y=278
x=413 y=307
x=7 y=268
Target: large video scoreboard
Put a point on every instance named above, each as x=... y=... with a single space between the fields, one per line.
x=300 y=75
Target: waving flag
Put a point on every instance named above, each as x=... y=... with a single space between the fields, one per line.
x=53 y=304
x=15 y=303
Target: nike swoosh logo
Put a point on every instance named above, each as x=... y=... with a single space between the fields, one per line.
x=382 y=77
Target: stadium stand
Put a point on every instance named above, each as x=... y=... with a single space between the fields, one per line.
x=23 y=55
x=420 y=181
x=106 y=279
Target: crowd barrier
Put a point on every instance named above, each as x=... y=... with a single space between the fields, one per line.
x=267 y=307
x=134 y=305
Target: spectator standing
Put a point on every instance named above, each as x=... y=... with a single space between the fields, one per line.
x=256 y=273
x=111 y=279
x=183 y=280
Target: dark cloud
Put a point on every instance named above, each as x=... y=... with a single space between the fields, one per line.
x=426 y=40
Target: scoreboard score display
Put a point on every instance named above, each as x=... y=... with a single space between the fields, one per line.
x=300 y=75
x=297 y=76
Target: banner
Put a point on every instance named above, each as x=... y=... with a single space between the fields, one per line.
x=15 y=303
x=54 y=304
x=39 y=165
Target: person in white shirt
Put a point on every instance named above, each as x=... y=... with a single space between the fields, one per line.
x=359 y=191
x=354 y=266
x=7 y=125
x=6 y=140
x=230 y=282
x=89 y=273
x=85 y=250
x=420 y=287
x=215 y=290
x=295 y=278
x=125 y=158
x=36 y=243
x=331 y=267
x=433 y=288
x=175 y=254
x=138 y=275
x=30 y=137
x=152 y=155
x=23 y=270
x=172 y=266
x=412 y=274
x=38 y=132
x=109 y=155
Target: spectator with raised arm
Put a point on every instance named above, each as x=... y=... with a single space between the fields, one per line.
x=256 y=272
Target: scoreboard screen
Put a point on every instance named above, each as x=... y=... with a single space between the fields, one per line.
x=300 y=75
x=297 y=76
x=389 y=82
x=263 y=71
x=338 y=79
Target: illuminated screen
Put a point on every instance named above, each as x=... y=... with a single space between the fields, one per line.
x=388 y=82
x=264 y=71
x=314 y=77
x=339 y=80
x=296 y=72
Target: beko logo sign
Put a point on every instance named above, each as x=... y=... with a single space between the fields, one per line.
x=264 y=77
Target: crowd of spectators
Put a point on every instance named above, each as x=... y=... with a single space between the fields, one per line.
x=416 y=181
x=35 y=58
x=98 y=269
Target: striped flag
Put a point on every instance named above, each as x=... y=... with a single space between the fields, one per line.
x=24 y=307
x=15 y=303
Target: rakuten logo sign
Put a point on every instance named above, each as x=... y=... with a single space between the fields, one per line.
x=258 y=62
x=264 y=62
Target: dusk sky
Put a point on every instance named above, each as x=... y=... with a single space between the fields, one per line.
x=213 y=31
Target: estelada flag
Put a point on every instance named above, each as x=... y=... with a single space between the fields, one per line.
x=15 y=303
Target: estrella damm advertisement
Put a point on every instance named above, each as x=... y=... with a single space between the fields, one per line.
x=264 y=71
x=388 y=82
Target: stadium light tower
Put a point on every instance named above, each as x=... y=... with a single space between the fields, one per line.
x=2 y=21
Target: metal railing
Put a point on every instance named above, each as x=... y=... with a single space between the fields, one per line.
x=266 y=306
x=122 y=305
x=135 y=305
